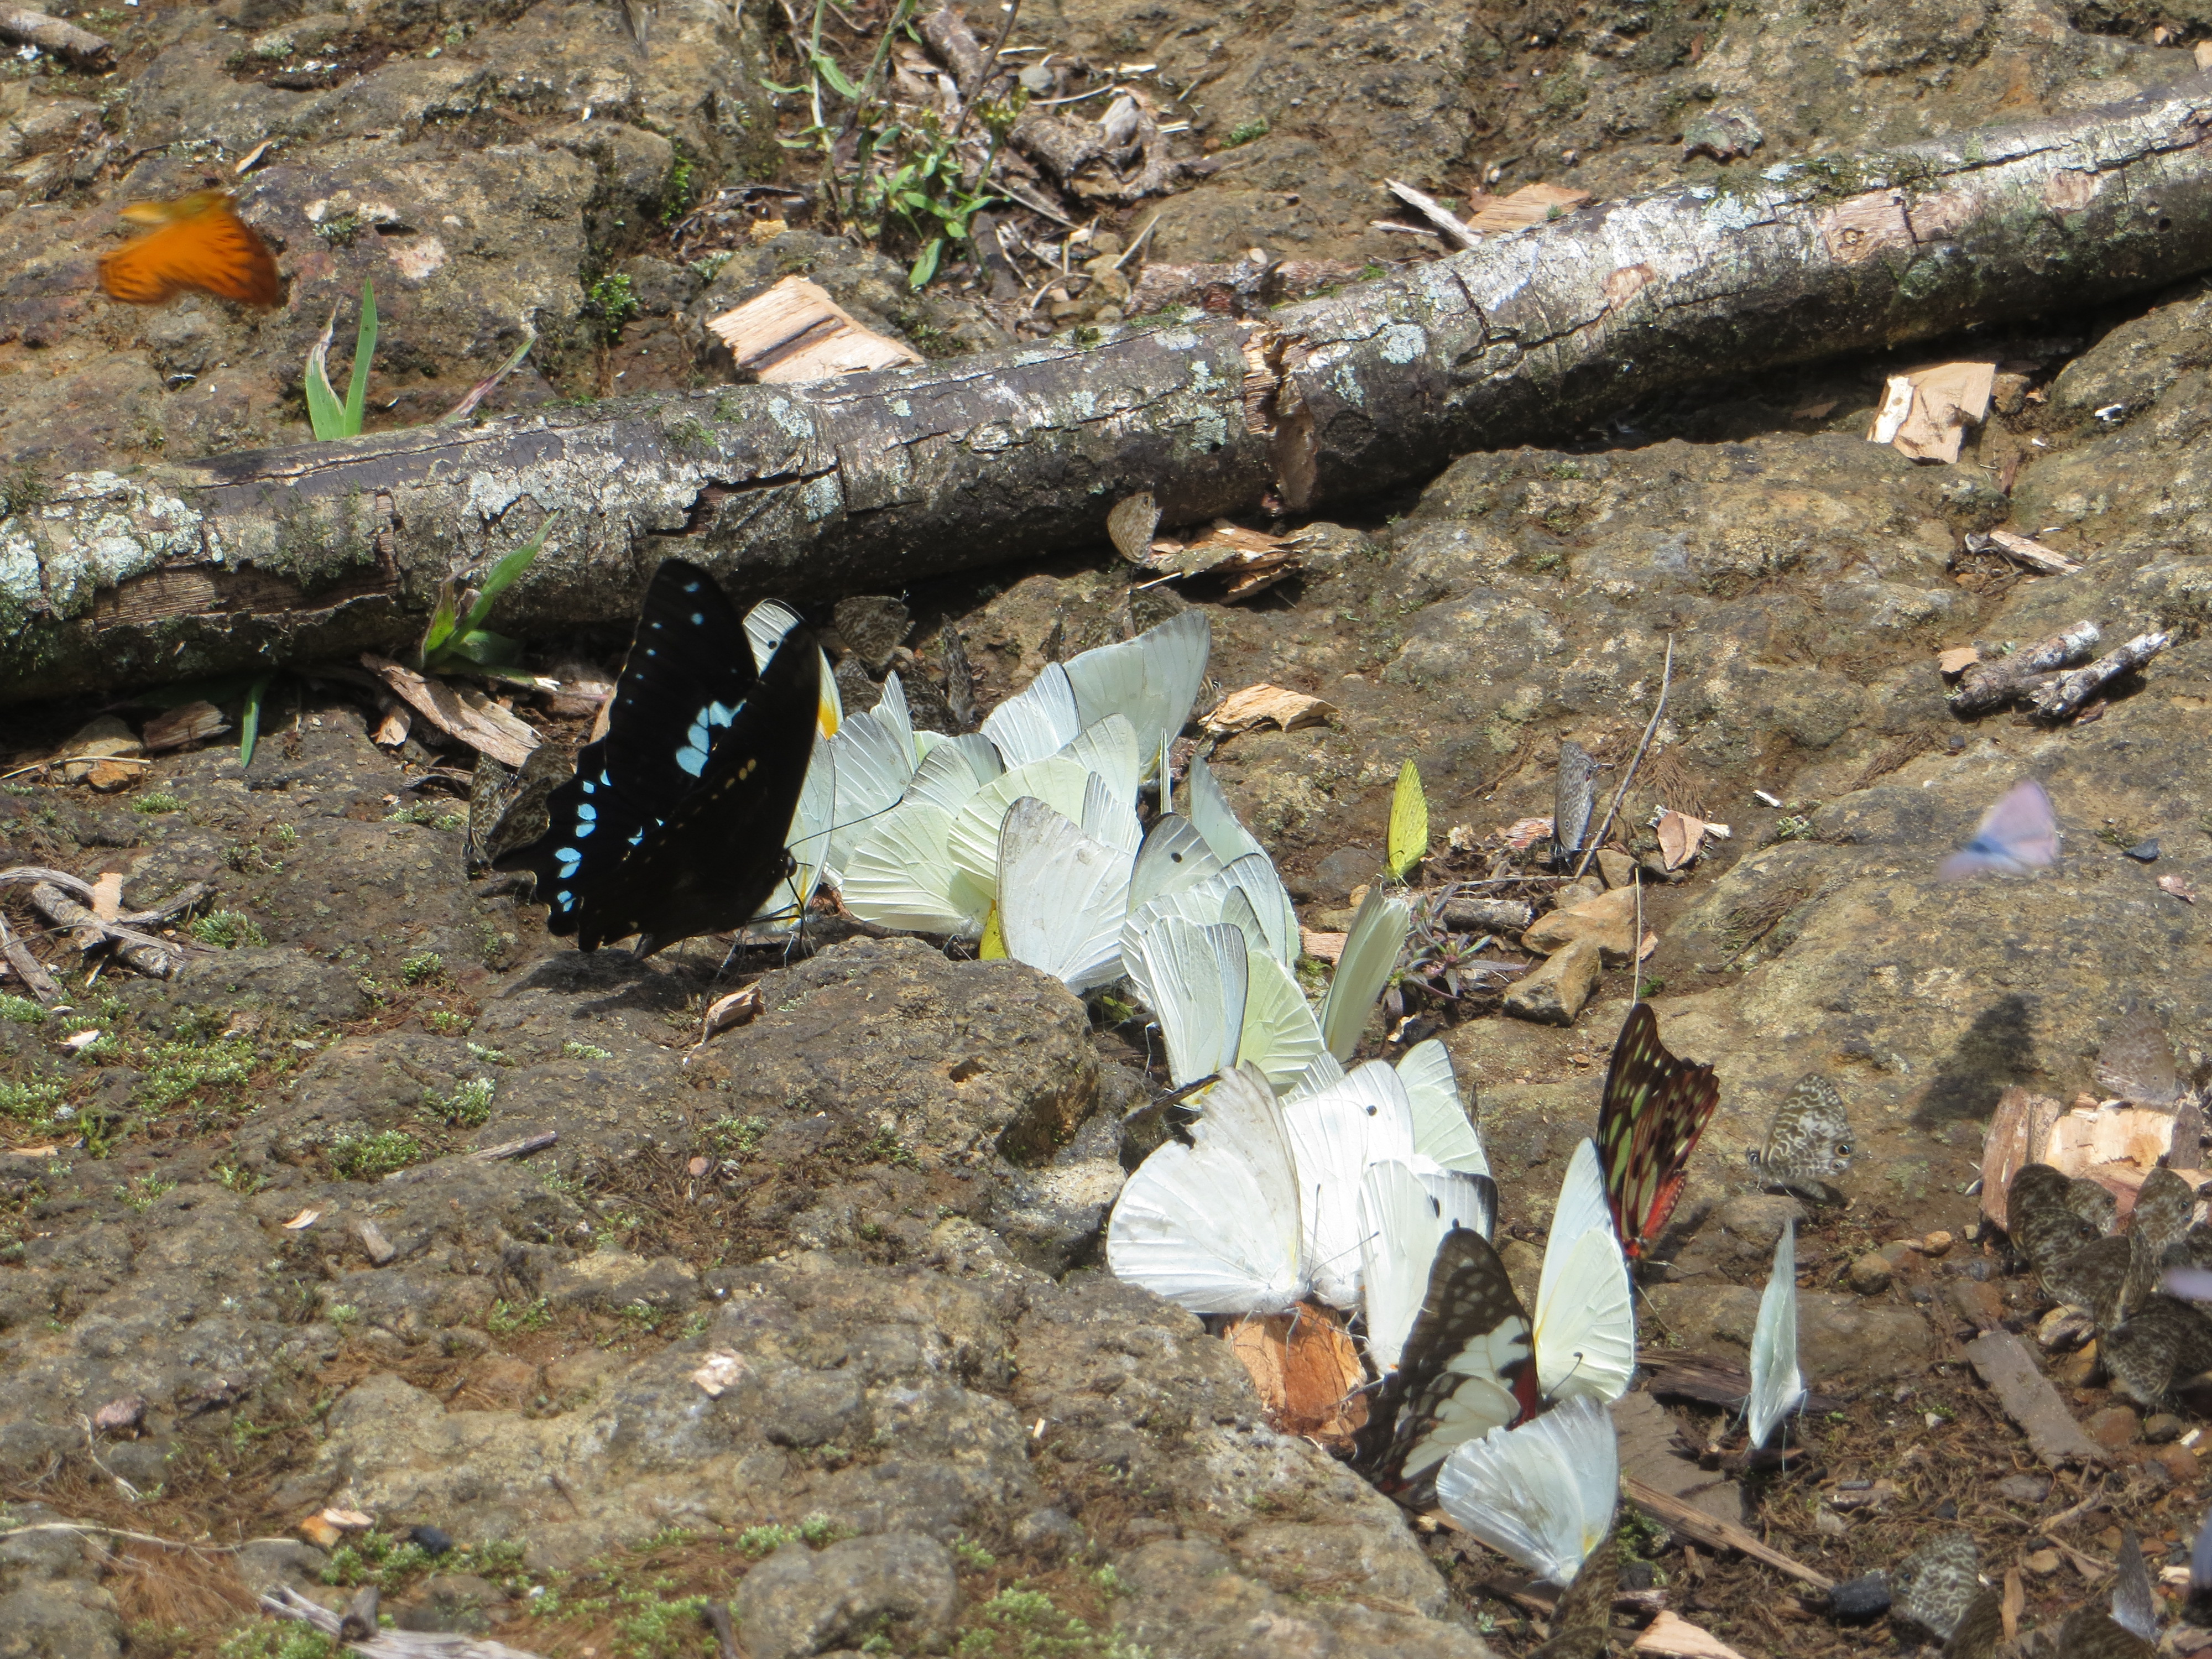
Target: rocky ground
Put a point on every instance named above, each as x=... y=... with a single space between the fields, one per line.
x=811 y=1319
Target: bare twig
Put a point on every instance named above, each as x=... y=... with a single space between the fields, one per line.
x=1447 y=223
x=28 y=967
x=1992 y=684
x=2065 y=695
x=990 y=67
x=522 y=1148
x=285 y=1602
x=76 y=760
x=1666 y=679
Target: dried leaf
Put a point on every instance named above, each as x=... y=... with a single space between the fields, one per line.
x=1531 y=204
x=1249 y=561
x=306 y=1219
x=1958 y=659
x=461 y=712
x=349 y=1519
x=392 y=731
x=721 y=1370
x=1924 y=414
x=1525 y=832
x=2015 y=1600
x=796 y=331
x=1307 y=1372
x=1260 y=705
x=2180 y=887
x=1130 y=525
x=1675 y=1636
x=1679 y=837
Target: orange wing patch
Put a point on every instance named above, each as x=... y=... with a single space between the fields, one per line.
x=1307 y=1372
x=200 y=242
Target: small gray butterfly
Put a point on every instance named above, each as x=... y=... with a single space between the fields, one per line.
x=2136 y=1063
x=1571 y=799
x=1934 y=1586
x=1809 y=1141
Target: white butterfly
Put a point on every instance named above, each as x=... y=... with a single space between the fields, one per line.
x=1150 y=681
x=1543 y=1494
x=1062 y=894
x=1403 y=1217
x=1441 y=1127
x=1777 y=1388
x=1215 y=1225
x=1585 y=1322
x=766 y=624
x=1336 y=1134
x=1370 y=952
x=1198 y=985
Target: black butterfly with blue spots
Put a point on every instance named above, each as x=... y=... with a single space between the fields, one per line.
x=674 y=824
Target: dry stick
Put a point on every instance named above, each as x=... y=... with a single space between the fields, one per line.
x=1722 y=1535
x=288 y=1603
x=94 y=1529
x=1666 y=678
x=2065 y=695
x=1993 y=685
x=76 y=760
x=28 y=967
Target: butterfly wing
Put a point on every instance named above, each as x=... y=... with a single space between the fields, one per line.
x=1038 y=720
x=1197 y=976
x=1571 y=800
x=203 y=245
x=1467 y=1366
x=1280 y=1035
x=1655 y=1108
x=1544 y=1493
x=1371 y=952
x=1152 y=680
x=1216 y=819
x=1173 y=857
x=1808 y=1140
x=1061 y=896
x=1334 y=1136
x=1441 y=1129
x=1585 y=1330
x=2018 y=834
x=1214 y=1225
x=720 y=852
x=1777 y=1387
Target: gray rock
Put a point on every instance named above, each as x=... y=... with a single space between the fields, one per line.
x=801 y=1602
x=1757 y=1219
x=1554 y=992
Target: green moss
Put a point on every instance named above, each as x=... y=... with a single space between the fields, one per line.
x=227 y=930
x=154 y=801
x=357 y=1156
x=178 y=1072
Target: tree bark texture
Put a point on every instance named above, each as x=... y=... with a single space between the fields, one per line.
x=874 y=481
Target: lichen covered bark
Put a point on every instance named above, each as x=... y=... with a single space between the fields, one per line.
x=880 y=480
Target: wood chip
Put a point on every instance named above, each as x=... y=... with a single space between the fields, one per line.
x=392 y=731
x=1670 y=1633
x=349 y=1519
x=522 y=1148
x=1531 y=204
x=1522 y=833
x=1958 y=659
x=2019 y=549
x=461 y=712
x=740 y=1007
x=34 y=1152
x=108 y=896
x=189 y=723
x=1262 y=705
x=1249 y=561
x=2029 y=1399
x=796 y=331
x=2019 y=1130
x=2014 y=1602
x=252 y=159
x=305 y=1220
x=2180 y=887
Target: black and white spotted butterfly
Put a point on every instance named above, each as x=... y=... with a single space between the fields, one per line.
x=674 y=824
x=1808 y=1144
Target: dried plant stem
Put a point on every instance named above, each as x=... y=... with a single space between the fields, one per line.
x=1666 y=679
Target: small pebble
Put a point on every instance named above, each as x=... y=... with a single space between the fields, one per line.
x=2162 y=1426
x=2025 y=1488
x=1935 y=1243
x=432 y=1539
x=2041 y=1563
x=1857 y=1600
x=2144 y=852
x=2178 y=1463
x=2114 y=1426
x=1870 y=1275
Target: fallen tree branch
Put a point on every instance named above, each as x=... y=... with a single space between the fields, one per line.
x=285 y=1602
x=875 y=481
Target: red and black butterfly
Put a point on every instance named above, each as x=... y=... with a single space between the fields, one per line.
x=1468 y=1366
x=1655 y=1108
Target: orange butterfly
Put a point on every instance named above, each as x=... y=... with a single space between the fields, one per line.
x=202 y=243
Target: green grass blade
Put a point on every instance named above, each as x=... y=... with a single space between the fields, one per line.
x=249 y=720
x=502 y=575
x=324 y=413
x=364 y=348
